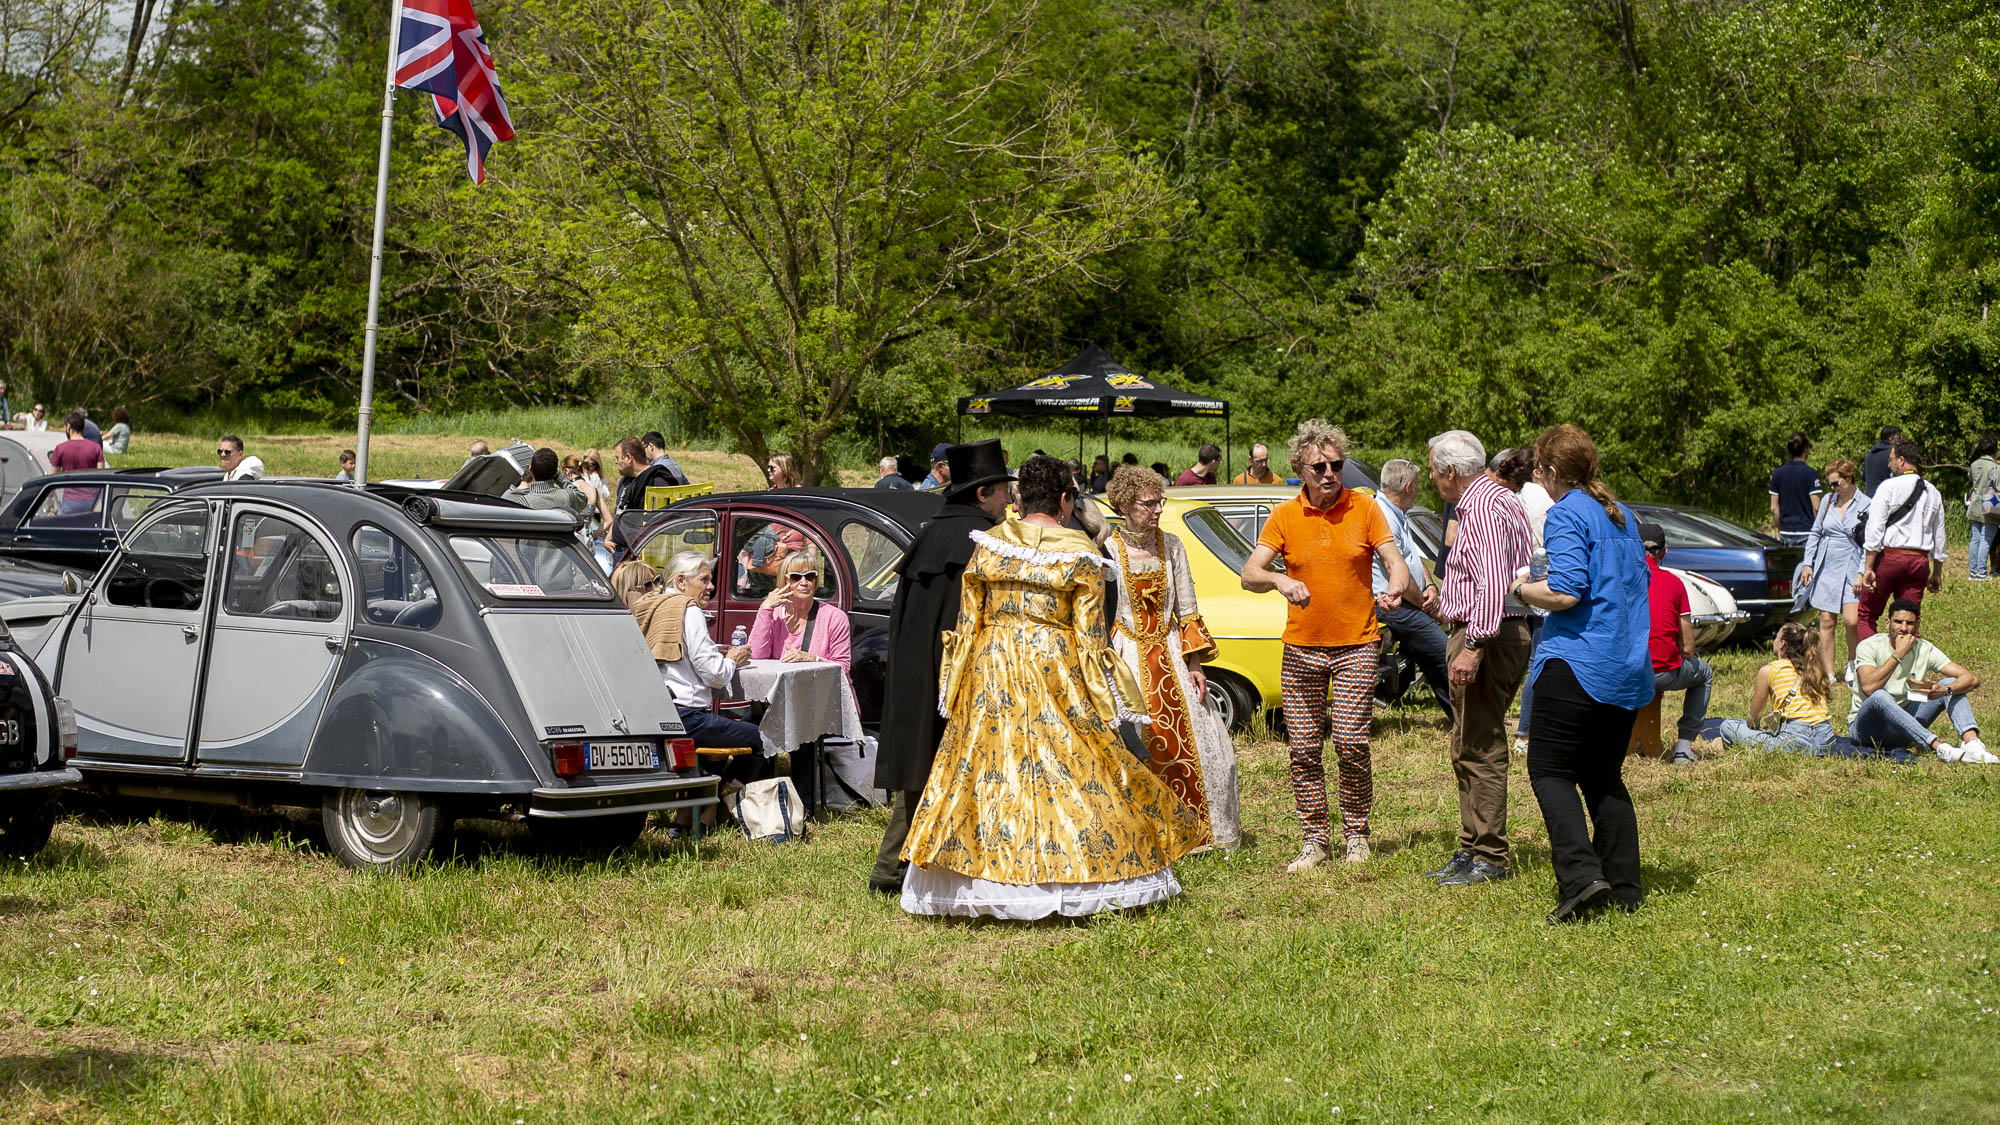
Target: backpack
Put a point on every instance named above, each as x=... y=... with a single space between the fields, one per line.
x=1982 y=504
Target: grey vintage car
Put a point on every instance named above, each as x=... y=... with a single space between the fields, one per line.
x=398 y=657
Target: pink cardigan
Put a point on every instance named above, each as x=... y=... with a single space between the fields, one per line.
x=831 y=639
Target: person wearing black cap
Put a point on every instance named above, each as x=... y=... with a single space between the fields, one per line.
x=926 y=606
x=941 y=466
x=1671 y=643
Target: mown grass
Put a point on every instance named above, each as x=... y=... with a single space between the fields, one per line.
x=1818 y=942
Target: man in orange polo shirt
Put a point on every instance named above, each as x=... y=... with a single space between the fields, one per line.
x=1330 y=539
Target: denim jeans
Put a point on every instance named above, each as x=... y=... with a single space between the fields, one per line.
x=1886 y=724
x=1795 y=736
x=1695 y=678
x=1420 y=636
x=1983 y=535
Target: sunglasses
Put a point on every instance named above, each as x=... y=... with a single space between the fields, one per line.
x=225 y=453
x=1327 y=468
x=807 y=577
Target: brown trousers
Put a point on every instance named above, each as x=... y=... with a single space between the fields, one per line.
x=1479 y=736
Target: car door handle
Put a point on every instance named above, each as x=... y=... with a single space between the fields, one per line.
x=335 y=642
x=190 y=632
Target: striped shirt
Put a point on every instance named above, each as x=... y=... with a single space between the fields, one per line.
x=1920 y=529
x=1494 y=543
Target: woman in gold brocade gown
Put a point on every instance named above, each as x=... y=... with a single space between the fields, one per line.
x=1160 y=636
x=1034 y=806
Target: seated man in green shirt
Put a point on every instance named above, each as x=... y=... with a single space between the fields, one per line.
x=1902 y=683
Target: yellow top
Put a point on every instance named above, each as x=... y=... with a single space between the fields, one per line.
x=1788 y=701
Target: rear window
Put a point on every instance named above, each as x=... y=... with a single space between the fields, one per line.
x=523 y=567
x=1219 y=536
x=1698 y=529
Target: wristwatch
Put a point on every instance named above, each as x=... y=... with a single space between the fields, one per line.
x=1476 y=643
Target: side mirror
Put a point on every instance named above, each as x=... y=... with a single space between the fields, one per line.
x=71 y=584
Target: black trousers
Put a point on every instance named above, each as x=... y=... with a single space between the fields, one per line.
x=1577 y=746
x=890 y=866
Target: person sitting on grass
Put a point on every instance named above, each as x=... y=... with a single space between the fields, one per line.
x=1795 y=686
x=1902 y=683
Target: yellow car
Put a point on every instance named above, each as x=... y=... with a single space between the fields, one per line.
x=1243 y=677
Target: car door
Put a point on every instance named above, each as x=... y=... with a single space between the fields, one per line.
x=280 y=626
x=759 y=542
x=132 y=653
x=64 y=524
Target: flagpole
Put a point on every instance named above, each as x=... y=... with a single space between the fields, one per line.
x=366 y=414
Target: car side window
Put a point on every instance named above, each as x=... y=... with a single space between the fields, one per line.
x=395 y=587
x=695 y=533
x=762 y=545
x=128 y=504
x=164 y=566
x=62 y=506
x=875 y=557
x=278 y=569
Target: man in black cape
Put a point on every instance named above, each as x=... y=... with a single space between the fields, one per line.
x=926 y=608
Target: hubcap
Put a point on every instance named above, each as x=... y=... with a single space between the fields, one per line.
x=383 y=824
x=1223 y=703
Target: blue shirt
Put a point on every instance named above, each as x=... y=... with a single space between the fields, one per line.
x=1406 y=545
x=1794 y=483
x=1603 y=636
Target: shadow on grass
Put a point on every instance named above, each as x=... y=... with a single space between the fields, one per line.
x=95 y=1074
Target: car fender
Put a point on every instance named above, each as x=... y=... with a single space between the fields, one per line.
x=400 y=720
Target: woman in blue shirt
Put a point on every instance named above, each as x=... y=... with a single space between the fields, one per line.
x=1591 y=675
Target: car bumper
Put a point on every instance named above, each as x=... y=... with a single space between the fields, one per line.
x=625 y=797
x=41 y=779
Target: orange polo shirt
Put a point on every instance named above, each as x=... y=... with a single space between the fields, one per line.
x=1331 y=550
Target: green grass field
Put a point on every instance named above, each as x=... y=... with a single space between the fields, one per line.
x=1818 y=943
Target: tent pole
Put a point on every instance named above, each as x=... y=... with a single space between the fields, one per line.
x=1228 y=458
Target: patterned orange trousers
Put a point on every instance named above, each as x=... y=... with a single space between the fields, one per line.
x=1314 y=713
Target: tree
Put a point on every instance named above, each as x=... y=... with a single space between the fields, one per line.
x=755 y=205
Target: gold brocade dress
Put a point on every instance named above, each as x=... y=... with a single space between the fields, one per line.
x=1034 y=806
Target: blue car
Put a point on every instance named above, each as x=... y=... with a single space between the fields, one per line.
x=1755 y=568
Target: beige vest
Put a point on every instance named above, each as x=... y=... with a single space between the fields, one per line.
x=661 y=617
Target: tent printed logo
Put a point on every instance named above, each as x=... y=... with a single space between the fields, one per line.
x=979 y=406
x=1128 y=382
x=1124 y=404
x=1052 y=383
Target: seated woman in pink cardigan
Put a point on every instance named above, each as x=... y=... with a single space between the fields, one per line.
x=791 y=626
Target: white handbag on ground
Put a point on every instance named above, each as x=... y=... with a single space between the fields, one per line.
x=769 y=810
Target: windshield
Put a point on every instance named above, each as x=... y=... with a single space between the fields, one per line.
x=1698 y=529
x=1219 y=536
x=522 y=567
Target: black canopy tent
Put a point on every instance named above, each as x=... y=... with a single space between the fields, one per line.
x=1093 y=385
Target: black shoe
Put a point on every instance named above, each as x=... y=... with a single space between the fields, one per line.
x=1582 y=904
x=1479 y=871
x=1458 y=863
x=893 y=890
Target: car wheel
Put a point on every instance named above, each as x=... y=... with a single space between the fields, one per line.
x=25 y=825
x=587 y=835
x=1232 y=699
x=377 y=830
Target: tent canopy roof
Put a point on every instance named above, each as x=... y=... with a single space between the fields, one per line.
x=1092 y=384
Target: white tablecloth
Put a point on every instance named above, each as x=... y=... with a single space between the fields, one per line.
x=804 y=701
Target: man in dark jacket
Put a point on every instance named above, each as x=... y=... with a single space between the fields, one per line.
x=926 y=607
x=1875 y=466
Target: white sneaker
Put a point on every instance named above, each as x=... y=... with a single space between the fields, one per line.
x=1357 y=849
x=1310 y=856
x=1849 y=674
x=1520 y=744
x=1974 y=750
x=1946 y=752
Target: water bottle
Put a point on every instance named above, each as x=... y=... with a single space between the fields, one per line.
x=1538 y=566
x=740 y=637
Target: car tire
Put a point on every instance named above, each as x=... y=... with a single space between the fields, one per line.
x=25 y=824
x=587 y=835
x=380 y=830
x=1232 y=699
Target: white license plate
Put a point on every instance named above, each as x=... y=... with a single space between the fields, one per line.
x=623 y=755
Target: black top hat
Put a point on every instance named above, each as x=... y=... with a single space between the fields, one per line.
x=974 y=465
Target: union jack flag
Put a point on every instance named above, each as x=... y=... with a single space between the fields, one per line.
x=441 y=50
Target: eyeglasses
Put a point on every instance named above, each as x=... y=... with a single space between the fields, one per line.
x=1328 y=468
x=225 y=453
x=808 y=577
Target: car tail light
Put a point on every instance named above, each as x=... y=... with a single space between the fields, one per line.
x=1781 y=586
x=66 y=723
x=570 y=759
x=680 y=751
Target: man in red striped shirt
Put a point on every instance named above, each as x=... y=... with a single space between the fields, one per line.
x=1488 y=652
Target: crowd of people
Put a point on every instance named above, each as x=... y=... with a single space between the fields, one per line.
x=1050 y=750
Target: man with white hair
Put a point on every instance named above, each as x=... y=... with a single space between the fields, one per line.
x=890 y=478
x=1412 y=625
x=1488 y=651
x=1327 y=536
